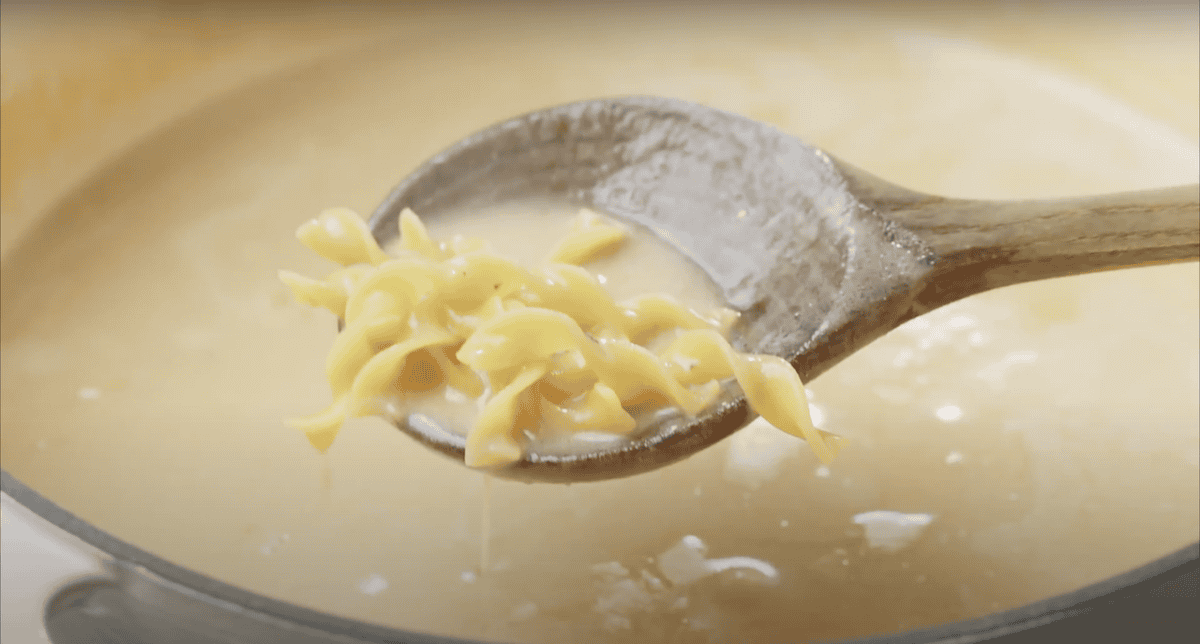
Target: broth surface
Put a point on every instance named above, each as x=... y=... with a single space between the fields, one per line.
x=1006 y=448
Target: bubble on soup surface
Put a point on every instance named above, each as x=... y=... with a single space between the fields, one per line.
x=892 y=531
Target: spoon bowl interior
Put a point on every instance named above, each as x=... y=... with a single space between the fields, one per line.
x=769 y=219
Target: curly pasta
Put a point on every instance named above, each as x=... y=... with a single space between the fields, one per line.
x=544 y=350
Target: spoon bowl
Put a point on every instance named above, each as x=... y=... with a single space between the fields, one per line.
x=820 y=257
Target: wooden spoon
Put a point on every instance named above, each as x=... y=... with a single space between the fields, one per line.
x=820 y=257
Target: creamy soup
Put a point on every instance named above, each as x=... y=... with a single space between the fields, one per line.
x=523 y=232
x=450 y=336
x=1005 y=448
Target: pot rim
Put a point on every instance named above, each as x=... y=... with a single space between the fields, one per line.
x=1085 y=600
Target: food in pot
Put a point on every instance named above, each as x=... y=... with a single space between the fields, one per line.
x=1003 y=449
x=539 y=351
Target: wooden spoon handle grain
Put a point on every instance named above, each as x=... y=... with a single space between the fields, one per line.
x=981 y=245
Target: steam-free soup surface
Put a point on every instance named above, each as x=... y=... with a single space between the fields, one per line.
x=1006 y=448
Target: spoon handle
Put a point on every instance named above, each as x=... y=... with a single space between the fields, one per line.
x=981 y=245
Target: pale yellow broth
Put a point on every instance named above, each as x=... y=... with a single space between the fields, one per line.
x=1047 y=434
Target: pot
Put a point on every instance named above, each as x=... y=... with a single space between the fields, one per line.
x=99 y=105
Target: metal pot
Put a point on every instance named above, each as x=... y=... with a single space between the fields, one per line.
x=81 y=85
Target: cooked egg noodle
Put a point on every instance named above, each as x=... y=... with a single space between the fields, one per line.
x=546 y=351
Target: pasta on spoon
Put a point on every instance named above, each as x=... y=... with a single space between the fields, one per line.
x=540 y=352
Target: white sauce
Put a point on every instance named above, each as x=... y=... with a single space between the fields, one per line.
x=148 y=354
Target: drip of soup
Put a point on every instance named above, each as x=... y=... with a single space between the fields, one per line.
x=1005 y=448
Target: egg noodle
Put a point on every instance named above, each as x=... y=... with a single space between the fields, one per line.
x=541 y=351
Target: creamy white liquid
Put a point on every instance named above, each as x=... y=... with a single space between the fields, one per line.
x=1009 y=447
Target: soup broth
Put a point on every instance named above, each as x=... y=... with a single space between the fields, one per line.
x=1005 y=448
